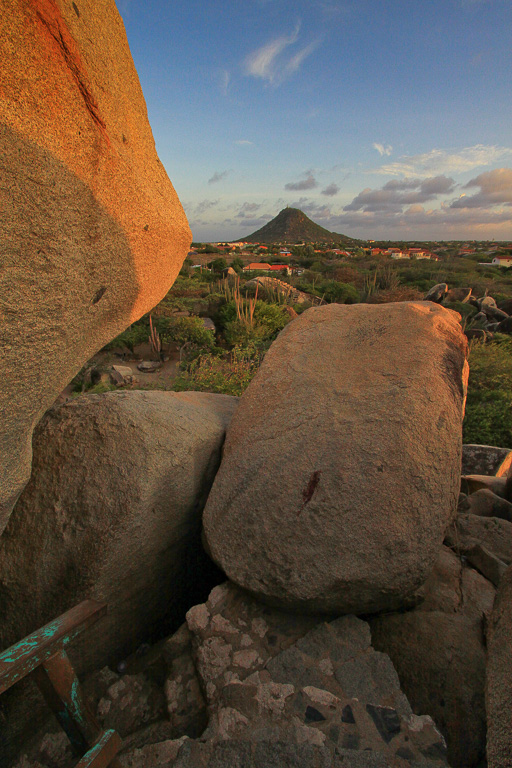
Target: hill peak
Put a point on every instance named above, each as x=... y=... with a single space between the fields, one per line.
x=291 y=225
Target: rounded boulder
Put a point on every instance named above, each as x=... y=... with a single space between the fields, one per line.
x=341 y=467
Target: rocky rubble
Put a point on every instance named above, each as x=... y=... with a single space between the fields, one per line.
x=274 y=688
x=243 y=683
x=488 y=319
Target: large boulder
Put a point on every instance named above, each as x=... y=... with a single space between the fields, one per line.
x=341 y=468
x=92 y=234
x=113 y=512
x=438 y=650
x=498 y=694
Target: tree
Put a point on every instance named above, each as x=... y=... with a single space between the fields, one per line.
x=218 y=265
x=187 y=331
x=237 y=264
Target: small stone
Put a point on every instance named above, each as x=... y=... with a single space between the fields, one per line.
x=246 y=659
x=198 y=617
x=124 y=370
x=149 y=366
x=260 y=627
x=319 y=696
x=488 y=564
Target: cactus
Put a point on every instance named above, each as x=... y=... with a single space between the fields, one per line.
x=154 y=340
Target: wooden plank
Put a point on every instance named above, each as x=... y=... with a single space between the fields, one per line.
x=21 y=659
x=103 y=752
x=61 y=688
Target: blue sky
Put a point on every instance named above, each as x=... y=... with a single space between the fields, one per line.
x=383 y=119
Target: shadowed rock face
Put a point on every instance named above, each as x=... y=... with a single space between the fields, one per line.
x=92 y=234
x=113 y=512
x=438 y=650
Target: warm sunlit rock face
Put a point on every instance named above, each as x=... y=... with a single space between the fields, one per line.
x=92 y=233
x=341 y=467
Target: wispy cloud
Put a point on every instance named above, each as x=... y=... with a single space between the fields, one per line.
x=381 y=149
x=331 y=190
x=294 y=63
x=224 y=81
x=308 y=183
x=439 y=161
x=270 y=62
x=262 y=61
x=218 y=176
x=244 y=143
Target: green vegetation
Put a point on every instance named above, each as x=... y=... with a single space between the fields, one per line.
x=228 y=375
x=488 y=418
x=248 y=318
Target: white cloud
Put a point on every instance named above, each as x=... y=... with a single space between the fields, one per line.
x=270 y=63
x=331 y=190
x=381 y=149
x=439 y=161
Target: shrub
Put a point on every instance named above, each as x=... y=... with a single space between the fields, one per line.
x=186 y=330
x=339 y=293
x=401 y=293
x=138 y=333
x=227 y=375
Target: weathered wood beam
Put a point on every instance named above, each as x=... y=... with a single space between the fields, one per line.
x=23 y=657
x=102 y=753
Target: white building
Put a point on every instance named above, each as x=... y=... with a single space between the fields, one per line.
x=502 y=261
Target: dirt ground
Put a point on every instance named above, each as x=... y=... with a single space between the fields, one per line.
x=159 y=379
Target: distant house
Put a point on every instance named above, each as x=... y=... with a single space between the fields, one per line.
x=256 y=265
x=396 y=254
x=419 y=253
x=280 y=268
x=284 y=252
x=502 y=261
